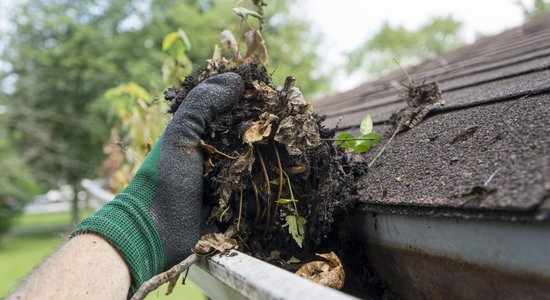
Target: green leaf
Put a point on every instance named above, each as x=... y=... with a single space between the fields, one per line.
x=244 y=12
x=184 y=39
x=169 y=39
x=370 y=140
x=366 y=125
x=361 y=148
x=297 y=228
x=346 y=144
x=286 y=201
x=276 y=181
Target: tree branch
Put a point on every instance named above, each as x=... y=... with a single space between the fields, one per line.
x=162 y=278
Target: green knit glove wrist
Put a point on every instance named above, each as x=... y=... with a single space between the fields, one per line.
x=127 y=224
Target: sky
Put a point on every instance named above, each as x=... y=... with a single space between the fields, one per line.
x=346 y=24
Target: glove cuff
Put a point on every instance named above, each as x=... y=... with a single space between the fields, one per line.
x=130 y=230
x=126 y=223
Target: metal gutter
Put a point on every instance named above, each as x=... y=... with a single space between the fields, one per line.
x=239 y=276
x=452 y=258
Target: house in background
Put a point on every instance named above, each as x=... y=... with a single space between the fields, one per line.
x=458 y=207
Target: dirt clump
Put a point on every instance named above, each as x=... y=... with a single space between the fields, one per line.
x=272 y=171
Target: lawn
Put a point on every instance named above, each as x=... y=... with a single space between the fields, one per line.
x=20 y=253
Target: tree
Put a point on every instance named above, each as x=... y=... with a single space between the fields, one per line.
x=391 y=43
x=539 y=7
x=64 y=54
x=16 y=183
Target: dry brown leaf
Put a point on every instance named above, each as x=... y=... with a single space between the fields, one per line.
x=260 y=129
x=242 y=164
x=275 y=254
x=228 y=41
x=256 y=132
x=208 y=166
x=214 y=242
x=293 y=260
x=268 y=92
x=255 y=46
x=328 y=273
x=298 y=133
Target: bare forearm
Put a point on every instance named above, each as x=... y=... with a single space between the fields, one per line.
x=87 y=267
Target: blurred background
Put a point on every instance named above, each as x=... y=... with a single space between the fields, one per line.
x=81 y=86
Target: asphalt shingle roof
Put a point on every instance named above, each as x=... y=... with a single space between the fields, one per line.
x=497 y=91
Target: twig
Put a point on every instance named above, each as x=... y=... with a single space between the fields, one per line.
x=240 y=208
x=280 y=180
x=350 y=139
x=264 y=170
x=213 y=149
x=256 y=195
x=268 y=186
x=491 y=177
x=160 y=279
x=387 y=143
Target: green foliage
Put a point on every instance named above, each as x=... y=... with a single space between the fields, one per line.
x=64 y=54
x=363 y=142
x=391 y=43
x=17 y=185
x=296 y=224
x=539 y=7
x=177 y=65
x=297 y=228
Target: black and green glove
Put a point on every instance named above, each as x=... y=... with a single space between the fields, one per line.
x=156 y=220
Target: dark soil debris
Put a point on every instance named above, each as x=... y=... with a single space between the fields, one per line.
x=270 y=158
x=420 y=98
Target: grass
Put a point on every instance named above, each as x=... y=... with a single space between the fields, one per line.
x=19 y=254
x=46 y=219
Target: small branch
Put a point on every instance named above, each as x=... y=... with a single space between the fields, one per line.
x=256 y=195
x=240 y=208
x=387 y=143
x=279 y=165
x=162 y=278
x=213 y=149
x=350 y=139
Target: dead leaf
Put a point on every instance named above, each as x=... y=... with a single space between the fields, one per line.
x=328 y=273
x=255 y=46
x=211 y=242
x=242 y=164
x=260 y=129
x=293 y=260
x=228 y=41
x=171 y=285
x=298 y=133
x=296 y=101
x=275 y=254
x=208 y=166
x=399 y=178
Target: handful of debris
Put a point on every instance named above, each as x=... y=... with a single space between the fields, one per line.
x=272 y=169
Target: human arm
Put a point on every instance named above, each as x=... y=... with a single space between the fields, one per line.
x=86 y=267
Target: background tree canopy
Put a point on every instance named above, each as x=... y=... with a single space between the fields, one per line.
x=63 y=55
x=408 y=47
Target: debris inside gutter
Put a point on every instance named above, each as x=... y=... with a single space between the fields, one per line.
x=274 y=173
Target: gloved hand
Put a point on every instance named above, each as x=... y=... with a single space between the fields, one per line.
x=156 y=220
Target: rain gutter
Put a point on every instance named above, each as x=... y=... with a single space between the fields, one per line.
x=451 y=258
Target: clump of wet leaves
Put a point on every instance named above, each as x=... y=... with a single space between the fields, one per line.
x=272 y=169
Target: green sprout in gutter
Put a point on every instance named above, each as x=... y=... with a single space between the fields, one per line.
x=363 y=142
